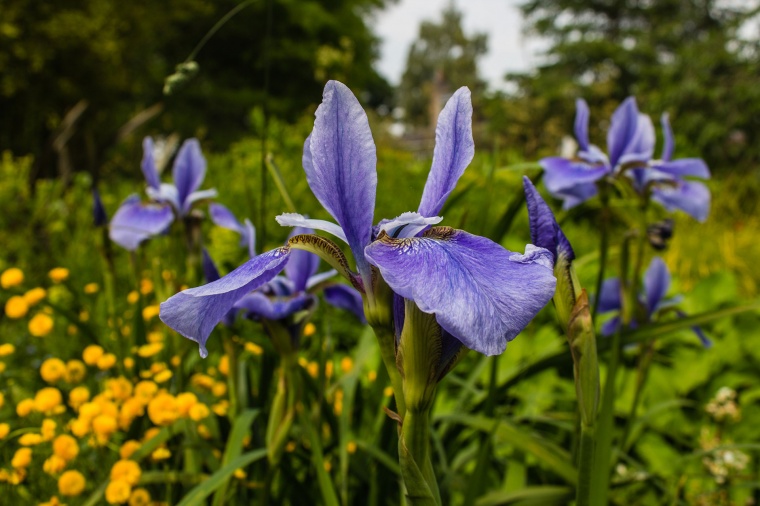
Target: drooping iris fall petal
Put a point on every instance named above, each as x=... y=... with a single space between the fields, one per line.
x=135 y=222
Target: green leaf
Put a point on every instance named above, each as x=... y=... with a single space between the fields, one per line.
x=329 y=497
x=234 y=447
x=549 y=454
x=197 y=496
x=531 y=496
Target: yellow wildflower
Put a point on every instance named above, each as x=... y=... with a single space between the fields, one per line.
x=35 y=296
x=204 y=432
x=16 y=307
x=309 y=329
x=139 y=497
x=80 y=427
x=106 y=361
x=103 y=426
x=78 y=396
x=71 y=483
x=30 y=439
x=185 y=401
x=129 y=362
x=133 y=297
x=239 y=474
x=148 y=350
x=146 y=286
x=351 y=447
x=120 y=388
x=313 y=369
x=52 y=502
x=155 y=337
x=127 y=471
x=221 y=407
x=346 y=364
x=151 y=433
x=118 y=492
x=160 y=454
x=59 y=274
x=53 y=464
x=131 y=409
x=388 y=391
x=2 y=399
x=2 y=367
x=22 y=458
x=25 y=407
x=163 y=409
x=219 y=388
x=75 y=371
x=198 y=411
x=11 y=277
x=52 y=370
x=92 y=354
x=65 y=447
x=224 y=365
x=48 y=429
x=150 y=312
x=175 y=361
x=145 y=391
x=6 y=349
x=47 y=399
x=253 y=348
x=202 y=380
x=91 y=288
x=329 y=370
x=163 y=376
x=4 y=430
x=129 y=448
x=372 y=376
x=40 y=325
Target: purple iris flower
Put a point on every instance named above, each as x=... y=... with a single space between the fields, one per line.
x=481 y=294
x=135 y=221
x=666 y=179
x=652 y=299
x=544 y=229
x=630 y=140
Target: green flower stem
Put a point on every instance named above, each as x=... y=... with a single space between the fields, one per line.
x=232 y=374
x=585 y=466
x=387 y=342
x=414 y=448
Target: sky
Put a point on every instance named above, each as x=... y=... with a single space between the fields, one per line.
x=508 y=49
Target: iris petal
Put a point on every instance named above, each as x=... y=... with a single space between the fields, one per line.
x=692 y=197
x=258 y=305
x=148 y=164
x=297 y=220
x=407 y=225
x=481 y=293
x=610 y=295
x=581 y=124
x=544 y=230
x=342 y=171
x=668 y=145
x=683 y=167
x=454 y=150
x=562 y=174
x=656 y=283
x=135 y=222
x=347 y=298
x=196 y=196
x=224 y=218
x=194 y=312
x=189 y=170
x=623 y=129
x=302 y=264
x=641 y=147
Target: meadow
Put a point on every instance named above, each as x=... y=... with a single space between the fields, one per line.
x=101 y=401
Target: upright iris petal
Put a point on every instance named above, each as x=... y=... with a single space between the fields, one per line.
x=581 y=124
x=195 y=312
x=656 y=283
x=480 y=293
x=135 y=222
x=544 y=230
x=189 y=171
x=149 y=165
x=454 y=150
x=340 y=167
x=623 y=129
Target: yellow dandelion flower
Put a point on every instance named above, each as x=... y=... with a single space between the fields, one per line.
x=346 y=364
x=163 y=376
x=35 y=296
x=221 y=408
x=129 y=362
x=351 y=447
x=78 y=396
x=48 y=429
x=25 y=407
x=129 y=448
x=40 y=325
x=16 y=307
x=388 y=391
x=151 y=433
x=329 y=367
x=163 y=409
x=80 y=427
x=150 y=312
x=106 y=361
x=219 y=389
x=145 y=391
x=254 y=349
x=160 y=454
x=202 y=381
x=11 y=277
x=146 y=286
x=30 y=439
x=52 y=502
x=239 y=474
x=204 y=432
x=7 y=349
x=133 y=297
x=91 y=288
x=120 y=388
x=4 y=430
x=118 y=492
x=53 y=464
x=139 y=497
x=224 y=365
x=372 y=376
x=75 y=371
x=309 y=329
x=71 y=483
x=148 y=350
x=127 y=471
x=198 y=411
x=155 y=337
x=2 y=399
x=92 y=354
x=22 y=458
x=47 y=399
x=104 y=426
x=52 y=370
x=185 y=401
x=59 y=274
x=65 y=447
x=313 y=369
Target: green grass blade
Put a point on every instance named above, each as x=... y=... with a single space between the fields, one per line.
x=234 y=448
x=531 y=496
x=197 y=496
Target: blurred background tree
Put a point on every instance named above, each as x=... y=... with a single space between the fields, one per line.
x=442 y=59
x=696 y=59
x=76 y=77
